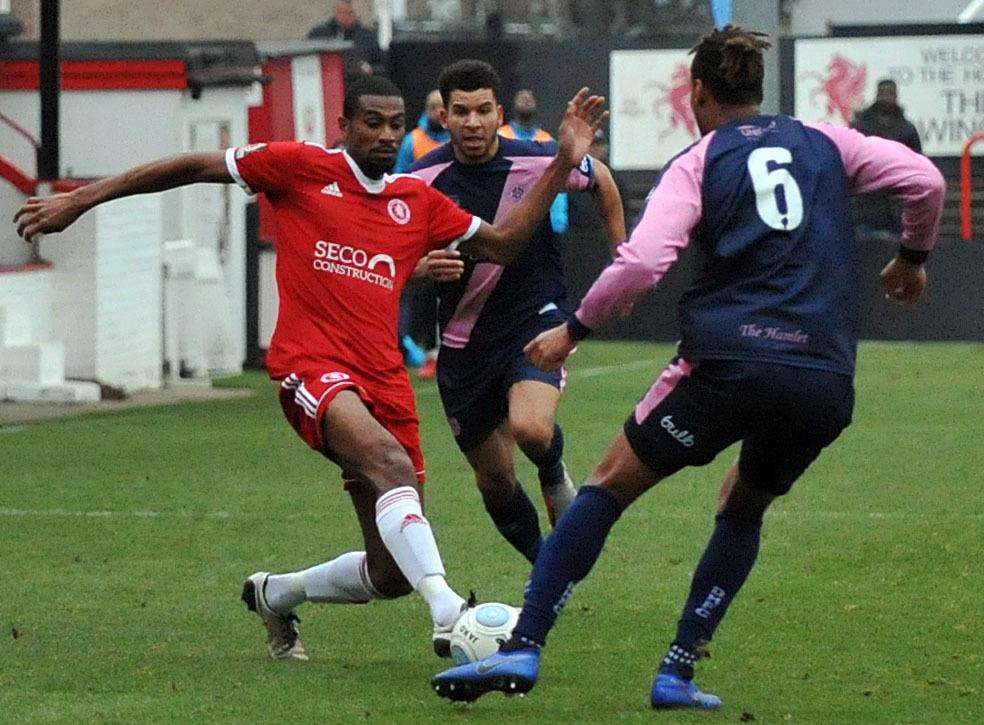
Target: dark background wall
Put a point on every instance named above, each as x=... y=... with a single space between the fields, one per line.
x=953 y=308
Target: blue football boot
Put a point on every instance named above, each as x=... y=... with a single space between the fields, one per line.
x=671 y=691
x=413 y=354
x=513 y=673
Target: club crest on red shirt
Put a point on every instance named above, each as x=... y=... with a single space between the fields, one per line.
x=398 y=211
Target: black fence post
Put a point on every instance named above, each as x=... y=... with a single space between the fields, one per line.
x=255 y=354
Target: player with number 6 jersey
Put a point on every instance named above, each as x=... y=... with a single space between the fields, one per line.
x=768 y=337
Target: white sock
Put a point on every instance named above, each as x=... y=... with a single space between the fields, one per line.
x=344 y=580
x=408 y=537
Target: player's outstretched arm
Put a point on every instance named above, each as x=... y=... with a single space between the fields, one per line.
x=57 y=212
x=608 y=199
x=502 y=242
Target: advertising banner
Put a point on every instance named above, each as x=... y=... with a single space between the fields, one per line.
x=940 y=81
x=650 y=106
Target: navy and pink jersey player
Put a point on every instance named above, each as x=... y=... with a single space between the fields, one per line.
x=483 y=308
x=769 y=332
x=488 y=315
x=494 y=398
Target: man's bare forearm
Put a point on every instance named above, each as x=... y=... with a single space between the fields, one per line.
x=161 y=175
x=608 y=201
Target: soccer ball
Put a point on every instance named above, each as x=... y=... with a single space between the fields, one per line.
x=480 y=630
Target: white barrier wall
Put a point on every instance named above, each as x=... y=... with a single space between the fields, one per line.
x=25 y=307
x=105 y=132
x=107 y=293
x=13 y=250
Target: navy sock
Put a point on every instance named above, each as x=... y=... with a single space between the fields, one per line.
x=518 y=523
x=549 y=464
x=724 y=567
x=565 y=559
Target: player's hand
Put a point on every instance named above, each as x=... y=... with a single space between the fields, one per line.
x=583 y=119
x=441 y=265
x=904 y=282
x=50 y=214
x=549 y=350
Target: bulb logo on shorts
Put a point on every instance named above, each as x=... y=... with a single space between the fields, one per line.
x=684 y=437
x=355 y=263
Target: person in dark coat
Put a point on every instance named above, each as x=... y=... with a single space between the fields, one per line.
x=346 y=25
x=878 y=215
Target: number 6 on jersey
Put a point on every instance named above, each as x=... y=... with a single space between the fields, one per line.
x=777 y=196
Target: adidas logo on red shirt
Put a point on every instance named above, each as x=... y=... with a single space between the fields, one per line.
x=332 y=189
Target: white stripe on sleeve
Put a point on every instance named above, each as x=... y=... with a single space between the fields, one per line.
x=233 y=169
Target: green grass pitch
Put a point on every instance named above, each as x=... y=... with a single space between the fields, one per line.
x=124 y=539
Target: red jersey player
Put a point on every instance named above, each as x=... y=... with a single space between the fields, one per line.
x=349 y=236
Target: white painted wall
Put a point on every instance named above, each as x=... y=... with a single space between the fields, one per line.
x=812 y=17
x=128 y=344
x=26 y=300
x=102 y=132
x=13 y=250
x=106 y=272
x=106 y=132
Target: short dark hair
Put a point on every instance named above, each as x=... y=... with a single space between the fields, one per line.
x=367 y=86
x=887 y=82
x=469 y=75
x=729 y=63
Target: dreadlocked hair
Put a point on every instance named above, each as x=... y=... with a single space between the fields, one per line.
x=729 y=62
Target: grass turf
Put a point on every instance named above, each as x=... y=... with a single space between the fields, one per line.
x=125 y=539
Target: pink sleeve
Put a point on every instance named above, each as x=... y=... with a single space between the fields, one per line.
x=583 y=177
x=876 y=164
x=673 y=209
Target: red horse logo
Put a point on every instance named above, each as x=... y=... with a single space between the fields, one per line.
x=843 y=86
x=676 y=98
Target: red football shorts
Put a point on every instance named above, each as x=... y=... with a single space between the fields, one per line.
x=305 y=400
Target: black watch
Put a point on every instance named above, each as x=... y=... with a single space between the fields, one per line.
x=577 y=329
x=912 y=256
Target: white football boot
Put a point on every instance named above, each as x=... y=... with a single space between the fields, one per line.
x=283 y=641
x=442 y=635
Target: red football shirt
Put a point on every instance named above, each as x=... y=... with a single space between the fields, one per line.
x=346 y=246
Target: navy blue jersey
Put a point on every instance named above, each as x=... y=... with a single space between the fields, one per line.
x=490 y=301
x=765 y=201
x=779 y=266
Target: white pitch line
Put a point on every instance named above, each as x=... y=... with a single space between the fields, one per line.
x=678 y=515
x=105 y=514
x=12 y=429
x=603 y=369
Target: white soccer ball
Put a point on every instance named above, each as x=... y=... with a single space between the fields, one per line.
x=480 y=630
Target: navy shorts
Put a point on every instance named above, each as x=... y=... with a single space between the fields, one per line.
x=783 y=416
x=474 y=384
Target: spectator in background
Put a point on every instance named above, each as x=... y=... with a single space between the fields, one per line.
x=524 y=127
x=346 y=25
x=429 y=134
x=878 y=215
x=418 y=311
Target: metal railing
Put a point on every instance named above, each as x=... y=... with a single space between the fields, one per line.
x=20 y=130
x=967 y=188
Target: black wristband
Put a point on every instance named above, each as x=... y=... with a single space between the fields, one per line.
x=913 y=256
x=577 y=329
